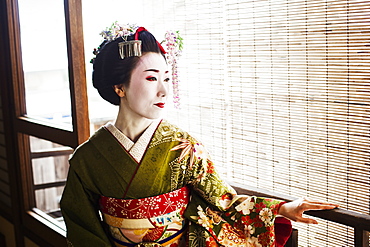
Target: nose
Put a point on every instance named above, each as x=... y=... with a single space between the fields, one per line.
x=163 y=89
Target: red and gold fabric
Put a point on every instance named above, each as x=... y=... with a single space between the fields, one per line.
x=156 y=219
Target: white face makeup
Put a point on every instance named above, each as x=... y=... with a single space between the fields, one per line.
x=146 y=95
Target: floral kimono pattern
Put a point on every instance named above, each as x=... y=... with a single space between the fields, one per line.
x=166 y=161
x=218 y=216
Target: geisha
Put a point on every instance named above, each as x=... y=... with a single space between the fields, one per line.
x=142 y=181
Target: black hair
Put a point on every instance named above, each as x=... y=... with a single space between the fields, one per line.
x=109 y=69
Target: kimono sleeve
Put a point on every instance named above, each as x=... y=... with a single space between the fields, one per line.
x=224 y=215
x=80 y=211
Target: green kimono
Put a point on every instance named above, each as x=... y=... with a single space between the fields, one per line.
x=168 y=160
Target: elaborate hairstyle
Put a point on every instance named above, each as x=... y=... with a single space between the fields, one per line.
x=110 y=69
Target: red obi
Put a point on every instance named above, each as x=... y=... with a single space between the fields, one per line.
x=145 y=207
x=143 y=221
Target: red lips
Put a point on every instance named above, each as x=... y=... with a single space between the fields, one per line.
x=160 y=105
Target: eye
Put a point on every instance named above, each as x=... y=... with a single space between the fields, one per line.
x=151 y=78
x=167 y=80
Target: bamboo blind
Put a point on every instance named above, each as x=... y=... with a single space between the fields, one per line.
x=299 y=103
x=278 y=91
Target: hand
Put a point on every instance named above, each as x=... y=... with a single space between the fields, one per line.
x=294 y=210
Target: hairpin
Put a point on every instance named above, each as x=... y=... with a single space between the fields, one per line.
x=129 y=48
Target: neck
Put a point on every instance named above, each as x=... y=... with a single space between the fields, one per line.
x=132 y=128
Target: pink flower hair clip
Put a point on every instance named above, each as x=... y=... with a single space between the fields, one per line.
x=173 y=44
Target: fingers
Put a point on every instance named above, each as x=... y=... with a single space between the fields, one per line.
x=311 y=206
x=318 y=202
x=307 y=221
x=308 y=204
x=302 y=219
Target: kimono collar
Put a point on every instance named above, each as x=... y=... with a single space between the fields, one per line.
x=138 y=148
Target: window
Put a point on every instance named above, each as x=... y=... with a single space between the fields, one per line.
x=49 y=168
x=45 y=61
x=48 y=101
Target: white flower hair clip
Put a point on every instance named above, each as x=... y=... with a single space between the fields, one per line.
x=117 y=30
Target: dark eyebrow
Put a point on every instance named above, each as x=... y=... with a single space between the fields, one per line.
x=155 y=70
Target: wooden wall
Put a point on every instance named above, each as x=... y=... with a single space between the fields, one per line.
x=6 y=226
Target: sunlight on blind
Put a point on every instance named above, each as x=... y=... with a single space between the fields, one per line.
x=299 y=102
x=202 y=69
x=291 y=114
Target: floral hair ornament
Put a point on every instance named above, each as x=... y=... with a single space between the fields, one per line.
x=174 y=45
x=126 y=48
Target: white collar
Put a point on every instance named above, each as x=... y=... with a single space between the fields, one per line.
x=136 y=150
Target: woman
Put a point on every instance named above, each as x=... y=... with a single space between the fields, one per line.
x=143 y=181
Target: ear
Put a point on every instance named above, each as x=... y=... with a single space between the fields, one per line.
x=119 y=90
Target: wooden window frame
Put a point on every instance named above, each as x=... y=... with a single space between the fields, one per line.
x=28 y=222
